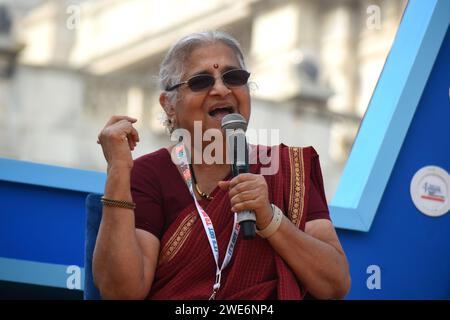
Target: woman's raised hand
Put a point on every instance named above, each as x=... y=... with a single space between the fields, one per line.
x=118 y=138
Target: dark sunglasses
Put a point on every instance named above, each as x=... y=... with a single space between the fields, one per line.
x=200 y=82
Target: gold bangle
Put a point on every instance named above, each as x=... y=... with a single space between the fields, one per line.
x=118 y=203
x=273 y=225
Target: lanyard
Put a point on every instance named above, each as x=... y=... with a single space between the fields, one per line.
x=180 y=152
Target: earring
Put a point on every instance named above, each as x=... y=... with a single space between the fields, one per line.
x=173 y=122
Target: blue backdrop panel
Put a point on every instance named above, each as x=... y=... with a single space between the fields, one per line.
x=411 y=249
x=42 y=224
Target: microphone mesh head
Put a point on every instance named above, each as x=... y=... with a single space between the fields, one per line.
x=234 y=121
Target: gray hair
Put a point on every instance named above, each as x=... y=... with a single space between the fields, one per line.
x=172 y=66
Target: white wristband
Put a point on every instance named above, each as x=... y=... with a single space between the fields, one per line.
x=273 y=225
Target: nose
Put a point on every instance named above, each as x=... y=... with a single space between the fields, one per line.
x=219 y=88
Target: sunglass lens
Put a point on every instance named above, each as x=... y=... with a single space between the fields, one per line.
x=200 y=82
x=236 y=77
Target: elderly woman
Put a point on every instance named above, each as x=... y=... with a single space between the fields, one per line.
x=169 y=229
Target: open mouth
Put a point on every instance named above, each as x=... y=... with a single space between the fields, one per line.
x=221 y=112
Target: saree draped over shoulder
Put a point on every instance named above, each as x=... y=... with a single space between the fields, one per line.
x=186 y=267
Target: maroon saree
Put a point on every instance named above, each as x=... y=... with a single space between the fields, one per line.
x=186 y=268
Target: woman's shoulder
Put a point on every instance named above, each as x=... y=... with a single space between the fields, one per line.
x=270 y=159
x=148 y=165
x=286 y=149
x=154 y=158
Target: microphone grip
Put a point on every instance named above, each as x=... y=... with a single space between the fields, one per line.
x=247 y=222
x=248 y=228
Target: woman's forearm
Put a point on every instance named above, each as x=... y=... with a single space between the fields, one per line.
x=118 y=264
x=319 y=266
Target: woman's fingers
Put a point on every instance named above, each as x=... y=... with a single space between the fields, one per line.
x=135 y=135
x=244 y=196
x=126 y=131
x=117 y=139
x=224 y=185
x=236 y=188
x=120 y=128
x=130 y=142
x=243 y=186
x=245 y=205
x=133 y=138
x=241 y=178
x=247 y=192
x=115 y=119
x=242 y=183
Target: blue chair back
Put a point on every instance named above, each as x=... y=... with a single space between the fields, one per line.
x=93 y=218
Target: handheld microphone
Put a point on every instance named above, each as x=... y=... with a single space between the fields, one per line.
x=234 y=126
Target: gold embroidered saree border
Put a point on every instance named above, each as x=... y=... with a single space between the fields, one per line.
x=176 y=241
x=297 y=192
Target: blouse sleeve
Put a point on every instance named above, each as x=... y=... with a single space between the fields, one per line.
x=317 y=205
x=146 y=193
